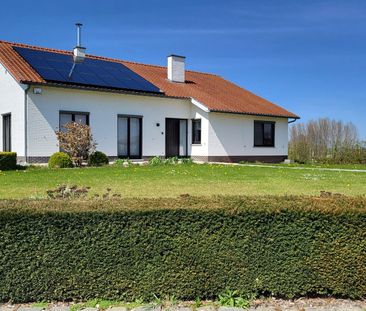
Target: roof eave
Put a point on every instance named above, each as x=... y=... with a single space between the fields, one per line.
x=99 y=89
x=257 y=114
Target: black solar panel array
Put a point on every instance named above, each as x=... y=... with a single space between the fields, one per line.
x=55 y=67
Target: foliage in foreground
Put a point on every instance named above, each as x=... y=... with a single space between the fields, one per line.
x=188 y=247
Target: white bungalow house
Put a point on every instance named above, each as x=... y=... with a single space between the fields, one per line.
x=134 y=110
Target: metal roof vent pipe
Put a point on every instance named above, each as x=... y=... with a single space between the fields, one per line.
x=79 y=51
x=176 y=68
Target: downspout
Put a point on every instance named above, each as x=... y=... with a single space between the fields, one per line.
x=26 y=122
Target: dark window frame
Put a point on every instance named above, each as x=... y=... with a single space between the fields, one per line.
x=128 y=117
x=73 y=113
x=6 y=142
x=196 y=142
x=273 y=133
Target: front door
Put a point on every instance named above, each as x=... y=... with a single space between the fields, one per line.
x=175 y=137
x=129 y=137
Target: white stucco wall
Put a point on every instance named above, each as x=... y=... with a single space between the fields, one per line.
x=222 y=133
x=233 y=134
x=201 y=149
x=103 y=108
x=12 y=101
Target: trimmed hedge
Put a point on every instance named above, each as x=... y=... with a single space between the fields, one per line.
x=187 y=247
x=8 y=161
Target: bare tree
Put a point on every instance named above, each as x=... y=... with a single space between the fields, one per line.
x=325 y=140
x=77 y=141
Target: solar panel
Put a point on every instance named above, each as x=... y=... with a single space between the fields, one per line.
x=55 y=67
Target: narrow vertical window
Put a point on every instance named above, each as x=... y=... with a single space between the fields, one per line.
x=264 y=134
x=196 y=131
x=7 y=132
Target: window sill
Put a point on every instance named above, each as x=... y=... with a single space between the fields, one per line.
x=264 y=146
x=197 y=145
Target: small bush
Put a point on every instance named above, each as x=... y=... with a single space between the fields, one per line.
x=123 y=162
x=186 y=161
x=156 y=161
x=172 y=160
x=169 y=161
x=60 y=160
x=98 y=158
x=8 y=161
x=232 y=298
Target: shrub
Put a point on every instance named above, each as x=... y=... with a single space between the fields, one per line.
x=98 y=158
x=8 y=161
x=77 y=141
x=156 y=161
x=123 y=162
x=172 y=160
x=60 y=160
x=187 y=247
x=187 y=161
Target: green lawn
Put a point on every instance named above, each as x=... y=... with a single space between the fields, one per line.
x=174 y=180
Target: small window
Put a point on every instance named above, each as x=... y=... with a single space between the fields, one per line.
x=78 y=117
x=264 y=133
x=196 y=131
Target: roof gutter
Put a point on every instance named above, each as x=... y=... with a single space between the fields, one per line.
x=100 y=89
x=257 y=114
x=293 y=120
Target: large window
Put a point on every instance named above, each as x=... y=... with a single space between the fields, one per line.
x=70 y=116
x=264 y=134
x=196 y=131
x=7 y=132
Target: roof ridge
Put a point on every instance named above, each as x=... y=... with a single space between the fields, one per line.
x=94 y=56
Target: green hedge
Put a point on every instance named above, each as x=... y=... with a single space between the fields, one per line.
x=187 y=247
x=8 y=161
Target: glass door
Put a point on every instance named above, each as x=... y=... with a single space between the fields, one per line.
x=7 y=132
x=129 y=137
x=175 y=137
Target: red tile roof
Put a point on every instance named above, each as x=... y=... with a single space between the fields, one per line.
x=214 y=92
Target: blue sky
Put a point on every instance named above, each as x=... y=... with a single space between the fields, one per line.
x=307 y=56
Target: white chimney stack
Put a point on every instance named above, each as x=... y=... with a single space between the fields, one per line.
x=176 y=68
